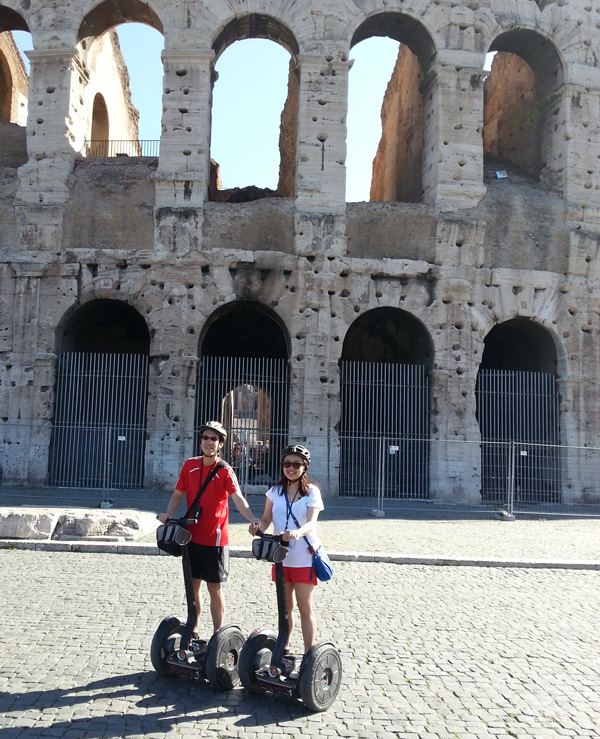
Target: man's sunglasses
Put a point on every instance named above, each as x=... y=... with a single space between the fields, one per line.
x=209 y=438
x=295 y=465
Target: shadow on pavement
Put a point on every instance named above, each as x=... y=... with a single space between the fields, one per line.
x=164 y=703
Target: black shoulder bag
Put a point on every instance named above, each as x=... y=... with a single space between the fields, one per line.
x=171 y=537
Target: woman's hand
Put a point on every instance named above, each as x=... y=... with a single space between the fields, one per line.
x=288 y=535
x=162 y=517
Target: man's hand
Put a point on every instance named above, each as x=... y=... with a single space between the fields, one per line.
x=255 y=526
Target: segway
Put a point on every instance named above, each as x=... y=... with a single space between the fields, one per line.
x=316 y=677
x=175 y=652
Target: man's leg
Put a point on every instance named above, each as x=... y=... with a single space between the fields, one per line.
x=196 y=584
x=217 y=604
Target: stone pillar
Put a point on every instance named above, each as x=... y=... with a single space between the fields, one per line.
x=184 y=163
x=453 y=142
x=455 y=463
x=53 y=124
x=321 y=155
x=183 y=174
x=27 y=393
x=571 y=132
x=171 y=418
x=314 y=382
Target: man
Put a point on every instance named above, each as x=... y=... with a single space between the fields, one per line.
x=209 y=547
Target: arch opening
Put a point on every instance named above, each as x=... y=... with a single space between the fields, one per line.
x=384 y=392
x=396 y=170
x=98 y=433
x=244 y=375
x=518 y=414
x=256 y=75
x=104 y=326
x=518 y=108
x=14 y=82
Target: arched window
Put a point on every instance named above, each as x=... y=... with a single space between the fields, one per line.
x=120 y=45
x=255 y=111
x=398 y=160
x=14 y=78
x=100 y=128
x=518 y=114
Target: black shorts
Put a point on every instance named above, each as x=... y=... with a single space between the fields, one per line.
x=210 y=564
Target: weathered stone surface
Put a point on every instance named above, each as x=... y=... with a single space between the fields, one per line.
x=104 y=524
x=35 y=523
x=27 y=524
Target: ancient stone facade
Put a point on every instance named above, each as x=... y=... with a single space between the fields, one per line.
x=458 y=261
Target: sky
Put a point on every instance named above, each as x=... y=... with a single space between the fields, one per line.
x=248 y=98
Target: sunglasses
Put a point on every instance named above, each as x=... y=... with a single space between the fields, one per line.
x=209 y=438
x=295 y=465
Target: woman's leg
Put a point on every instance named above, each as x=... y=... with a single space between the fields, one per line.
x=289 y=601
x=308 y=623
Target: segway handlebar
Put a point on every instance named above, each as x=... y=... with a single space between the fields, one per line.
x=271 y=547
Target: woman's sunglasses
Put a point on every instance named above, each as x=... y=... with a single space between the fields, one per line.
x=295 y=465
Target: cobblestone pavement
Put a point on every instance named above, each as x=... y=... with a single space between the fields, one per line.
x=428 y=652
x=550 y=539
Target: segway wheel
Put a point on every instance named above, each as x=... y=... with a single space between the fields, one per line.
x=256 y=654
x=165 y=642
x=320 y=677
x=222 y=659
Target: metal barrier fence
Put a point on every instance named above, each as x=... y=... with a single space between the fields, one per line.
x=454 y=471
x=146 y=148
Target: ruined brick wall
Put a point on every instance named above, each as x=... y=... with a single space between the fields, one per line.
x=397 y=164
x=512 y=114
x=14 y=82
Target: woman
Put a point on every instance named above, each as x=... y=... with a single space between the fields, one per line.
x=294 y=496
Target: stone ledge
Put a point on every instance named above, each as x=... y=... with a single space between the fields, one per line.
x=149 y=548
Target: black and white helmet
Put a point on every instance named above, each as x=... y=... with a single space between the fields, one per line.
x=298 y=449
x=217 y=427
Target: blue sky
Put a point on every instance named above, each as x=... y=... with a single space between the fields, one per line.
x=248 y=99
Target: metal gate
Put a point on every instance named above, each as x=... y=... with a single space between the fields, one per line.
x=250 y=396
x=522 y=408
x=384 y=430
x=99 y=427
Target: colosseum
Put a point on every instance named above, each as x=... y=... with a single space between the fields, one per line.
x=438 y=343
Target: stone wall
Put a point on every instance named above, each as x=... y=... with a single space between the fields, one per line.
x=473 y=252
x=397 y=164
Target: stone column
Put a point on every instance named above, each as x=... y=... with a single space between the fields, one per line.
x=571 y=138
x=314 y=381
x=27 y=396
x=453 y=126
x=184 y=163
x=52 y=126
x=455 y=463
x=321 y=155
x=171 y=417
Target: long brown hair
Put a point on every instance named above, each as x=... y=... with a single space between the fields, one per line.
x=304 y=482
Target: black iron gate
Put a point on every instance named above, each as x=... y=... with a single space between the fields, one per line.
x=384 y=430
x=99 y=426
x=518 y=414
x=250 y=396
